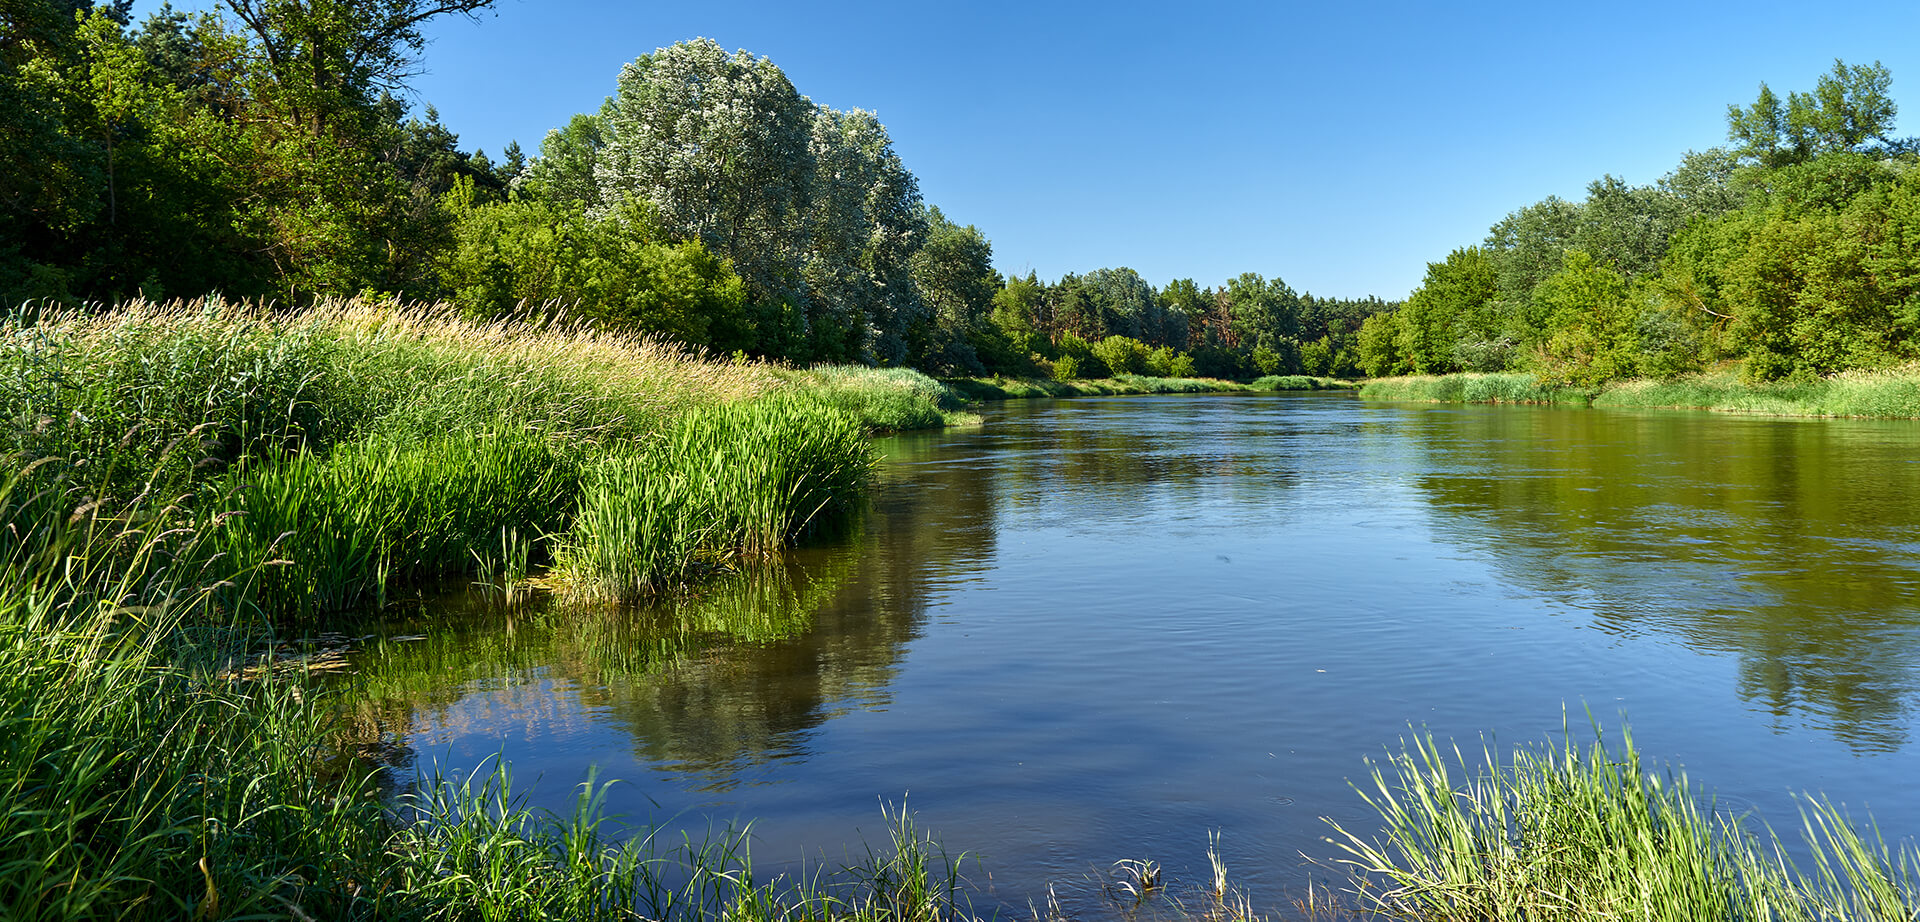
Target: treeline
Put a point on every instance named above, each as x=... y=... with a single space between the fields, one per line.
x=260 y=151
x=1794 y=253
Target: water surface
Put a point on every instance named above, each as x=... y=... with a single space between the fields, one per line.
x=1098 y=629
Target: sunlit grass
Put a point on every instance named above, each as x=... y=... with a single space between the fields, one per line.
x=1562 y=832
x=1473 y=388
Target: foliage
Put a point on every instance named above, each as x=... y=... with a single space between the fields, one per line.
x=527 y=254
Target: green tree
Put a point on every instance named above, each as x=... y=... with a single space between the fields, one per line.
x=1848 y=107
x=1593 y=334
x=1376 y=346
x=1452 y=299
x=953 y=272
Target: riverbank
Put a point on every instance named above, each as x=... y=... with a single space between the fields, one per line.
x=1893 y=394
x=1002 y=388
x=188 y=483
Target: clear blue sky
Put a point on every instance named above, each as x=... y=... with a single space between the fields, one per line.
x=1340 y=146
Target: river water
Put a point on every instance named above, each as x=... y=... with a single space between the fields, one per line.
x=1101 y=629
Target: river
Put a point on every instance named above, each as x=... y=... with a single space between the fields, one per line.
x=1101 y=629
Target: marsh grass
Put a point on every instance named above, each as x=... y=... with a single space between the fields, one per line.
x=1299 y=383
x=1473 y=388
x=474 y=849
x=1886 y=394
x=1002 y=388
x=1573 y=833
x=882 y=399
x=334 y=532
x=726 y=484
x=1881 y=394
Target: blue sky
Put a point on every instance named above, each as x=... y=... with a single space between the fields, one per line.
x=1340 y=146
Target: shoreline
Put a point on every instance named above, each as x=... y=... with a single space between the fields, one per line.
x=1893 y=394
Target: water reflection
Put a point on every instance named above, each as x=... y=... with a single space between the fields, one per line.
x=1790 y=543
x=1097 y=630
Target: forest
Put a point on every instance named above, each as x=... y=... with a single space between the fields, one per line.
x=263 y=151
x=1792 y=253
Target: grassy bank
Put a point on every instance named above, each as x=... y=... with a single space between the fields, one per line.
x=1892 y=394
x=185 y=481
x=998 y=388
x=1561 y=832
x=343 y=454
x=1472 y=388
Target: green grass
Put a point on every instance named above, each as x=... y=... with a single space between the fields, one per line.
x=883 y=399
x=1562 y=832
x=1299 y=383
x=1889 y=394
x=357 y=450
x=1001 y=388
x=1884 y=394
x=1473 y=388
x=727 y=483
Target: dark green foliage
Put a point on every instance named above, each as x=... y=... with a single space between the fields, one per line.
x=513 y=257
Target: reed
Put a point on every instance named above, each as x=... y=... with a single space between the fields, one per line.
x=1003 y=388
x=334 y=532
x=727 y=483
x=1299 y=383
x=882 y=399
x=1473 y=388
x=1562 y=832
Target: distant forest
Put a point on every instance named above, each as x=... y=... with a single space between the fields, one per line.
x=1794 y=252
x=260 y=151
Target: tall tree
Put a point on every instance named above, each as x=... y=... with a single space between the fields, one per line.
x=720 y=145
x=1848 y=107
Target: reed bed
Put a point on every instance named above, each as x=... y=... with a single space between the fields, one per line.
x=1883 y=394
x=1473 y=388
x=1879 y=394
x=1562 y=832
x=1003 y=388
x=883 y=399
x=727 y=483
x=1299 y=383
x=356 y=449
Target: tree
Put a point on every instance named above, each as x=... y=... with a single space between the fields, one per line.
x=328 y=59
x=1847 y=107
x=953 y=272
x=866 y=222
x=1592 y=335
x=720 y=145
x=1266 y=315
x=564 y=172
x=1451 y=301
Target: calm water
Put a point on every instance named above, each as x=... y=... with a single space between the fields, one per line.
x=1097 y=629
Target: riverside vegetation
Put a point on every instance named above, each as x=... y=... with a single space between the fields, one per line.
x=1776 y=275
x=149 y=773
x=190 y=480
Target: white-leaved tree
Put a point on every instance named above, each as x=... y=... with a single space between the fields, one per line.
x=812 y=206
x=866 y=225
x=718 y=144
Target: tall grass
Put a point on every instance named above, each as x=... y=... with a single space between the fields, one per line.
x=335 y=531
x=364 y=447
x=1887 y=394
x=882 y=399
x=727 y=483
x=1884 y=394
x=1298 y=383
x=1565 y=832
x=1003 y=388
x=1473 y=388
